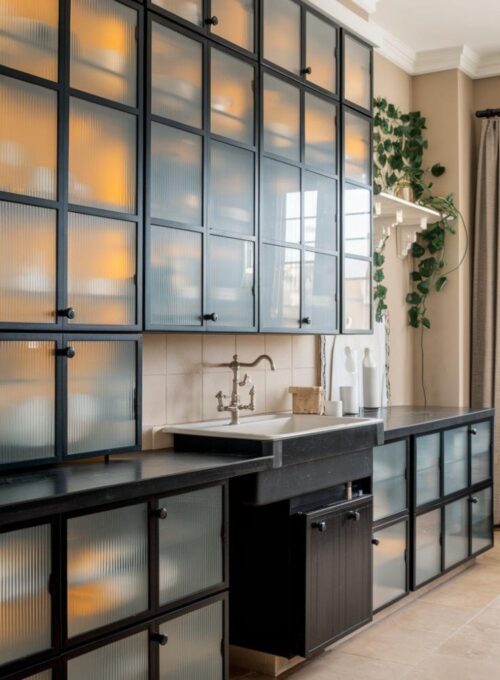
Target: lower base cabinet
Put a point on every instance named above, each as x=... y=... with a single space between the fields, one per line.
x=481 y=520
x=390 y=563
x=126 y=659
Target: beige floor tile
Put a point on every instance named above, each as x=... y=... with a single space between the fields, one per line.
x=340 y=666
x=455 y=593
x=443 y=620
x=439 y=667
x=474 y=641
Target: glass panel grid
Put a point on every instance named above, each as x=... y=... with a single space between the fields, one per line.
x=389 y=479
x=427 y=546
x=126 y=659
x=357 y=148
x=320 y=297
x=482 y=520
x=236 y=22
x=281 y=202
x=231 y=97
x=320 y=134
x=189 y=10
x=357 y=221
x=231 y=281
x=456 y=519
x=389 y=564
x=280 y=287
x=321 y=39
x=281 y=118
x=480 y=452
x=282 y=34
x=357 y=80
x=456 y=454
x=320 y=211
x=428 y=468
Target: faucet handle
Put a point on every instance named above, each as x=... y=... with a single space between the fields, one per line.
x=220 y=396
x=247 y=380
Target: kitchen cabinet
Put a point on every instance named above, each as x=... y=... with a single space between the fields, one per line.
x=481 y=520
x=126 y=658
x=427 y=547
x=428 y=468
x=358 y=67
x=456 y=532
x=390 y=563
x=88 y=384
x=390 y=487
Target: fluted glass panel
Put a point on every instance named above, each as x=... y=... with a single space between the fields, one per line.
x=28 y=139
x=320 y=211
x=321 y=42
x=102 y=157
x=282 y=34
x=389 y=479
x=107 y=567
x=427 y=546
x=25 y=602
x=231 y=281
x=281 y=118
x=101 y=389
x=482 y=521
x=320 y=285
x=27 y=400
x=320 y=131
x=357 y=294
x=389 y=564
x=358 y=154
x=176 y=78
x=193 y=651
x=428 y=467
x=101 y=270
x=176 y=277
x=480 y=452
x=190 y=10
x=176 y=175
x=357 y=221
x=29 y=36
x=231 y=195
x=44 y=675
x=281 y=201
x=126 y=659
x=280 y=287
x=104 y=49
x=456 y=453
x=236 y=22
x=231 y=97
x=357 y=76
x=456 y=532
x=27 y=264
x=191 y=547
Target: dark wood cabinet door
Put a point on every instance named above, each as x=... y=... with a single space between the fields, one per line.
x=338 y=573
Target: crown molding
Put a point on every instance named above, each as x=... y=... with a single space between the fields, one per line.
x=368 y=31
x=368 y=6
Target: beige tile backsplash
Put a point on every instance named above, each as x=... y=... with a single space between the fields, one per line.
x=180 y=375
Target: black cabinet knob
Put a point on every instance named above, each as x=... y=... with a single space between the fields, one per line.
x=161 y=513
x=473 y=430
x=69 y=312
x=354 y=515
x=306 y=71
x=375 y=541
x=159 y=638
x=320 y=526
x=69 y=352
x=307 y=320
x=474 y=500
x=211 y=317
x=212 y=21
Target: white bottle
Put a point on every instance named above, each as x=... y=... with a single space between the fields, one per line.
x=349 y=394
x=370 y=388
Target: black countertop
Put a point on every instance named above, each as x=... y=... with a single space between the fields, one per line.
x=402 y=421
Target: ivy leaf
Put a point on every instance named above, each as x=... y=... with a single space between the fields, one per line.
x=387 y=144
x=424 y=287
x=378 y=276
x=441 y=283
x=417 y=250
x=437 y=170
x=413 y=299
x=377 y=188
x=426 y=323
x=413 y=317
x=416 y=276
x=378 y=259
x=428 y=266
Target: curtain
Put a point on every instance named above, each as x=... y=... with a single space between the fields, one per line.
x=485 y=377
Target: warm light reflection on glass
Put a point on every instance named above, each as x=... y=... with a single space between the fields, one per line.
x=320 y=133
x=282 y=33
x=357 y=73
x=190 y=10
x=281 y=118
x=236 y=20
x=232 y=97
x=358 y=158
x=321 y=42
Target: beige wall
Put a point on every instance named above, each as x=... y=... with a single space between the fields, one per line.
x=486 y=94
x=180 y=380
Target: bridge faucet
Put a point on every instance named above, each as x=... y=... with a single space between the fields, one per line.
x=234 y=407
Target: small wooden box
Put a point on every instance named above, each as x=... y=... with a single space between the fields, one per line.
x=307 y=400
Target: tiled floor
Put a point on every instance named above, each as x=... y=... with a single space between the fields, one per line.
x=450 y=633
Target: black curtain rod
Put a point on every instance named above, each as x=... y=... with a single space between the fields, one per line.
x=488 y=113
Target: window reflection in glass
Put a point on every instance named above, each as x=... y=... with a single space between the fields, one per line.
x=357 y=221
x=320 y=211
x=280 y=201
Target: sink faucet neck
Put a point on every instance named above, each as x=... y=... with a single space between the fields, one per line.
x=235 y=406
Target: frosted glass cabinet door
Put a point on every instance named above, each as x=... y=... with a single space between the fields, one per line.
x=107 y=567
x=126 y=659
x=320 y=298
x=357 y=73
x=428 y=468
x=320 y=211
x=456 y=453
x=176 y=79
x=282 y=34
x=231 y=97
x=357 y=295
x=193 y=650
x=321 y=42
x=389 y=479
x=175 y=277
x=427 y=546
x=357 y=220
x=101 y=394
x=281 y=118
x=480 y=452
x=482 y=520
x=28 y=139
x=27 y=264
x=281 y=202
x=357 y=148
x=236 y=22
x=231 y=195
x=44 y=675
x=29 y=36
x=456 y=532
x=189 y=10
x=27 y=400
x=25 y=602
x=320 y=131
x=101 y=270
x=191 y=545
x=280 y=287
x=104 y=49
x=102 y=157
x=389 y=564
x=231 y=273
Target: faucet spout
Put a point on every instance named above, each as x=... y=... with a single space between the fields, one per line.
x=262 y=357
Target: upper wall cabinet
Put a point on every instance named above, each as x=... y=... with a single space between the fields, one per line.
x=231 y=21
x=358 y=88
x=301 y=42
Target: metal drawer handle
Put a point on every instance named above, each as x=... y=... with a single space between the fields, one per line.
x=354 y=515
x=473 y=430
x=161 y=513
x=211 y=317
x=159 y=638
x=474 y=500
x=375 y=541
x=320 y=526
x=212 y=21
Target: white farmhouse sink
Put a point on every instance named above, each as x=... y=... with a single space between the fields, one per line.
x=271 y=427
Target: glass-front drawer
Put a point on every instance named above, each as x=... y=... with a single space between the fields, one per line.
x=191 y=557
x=107 y=567
x=482 y=520
x=191 y=648
x=389 y=563
x=456 y=532
x=456 y=453
x=480 y=452
x=427 y=468
x=389 y=479
x=126 y=659
x=427 y=546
